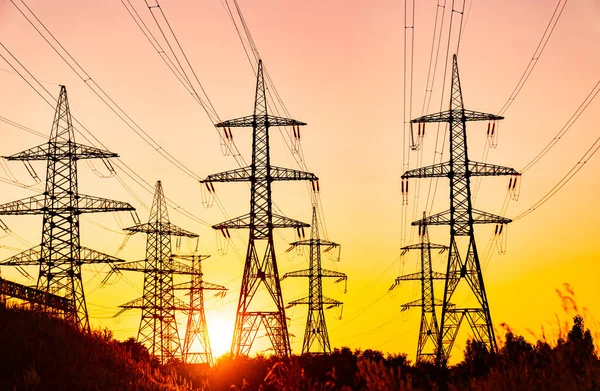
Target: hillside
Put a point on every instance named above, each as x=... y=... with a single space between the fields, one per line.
x=43 y=353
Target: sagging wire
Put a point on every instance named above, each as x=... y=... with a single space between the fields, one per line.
x=109 y=167
x=31 y=171
x=316 y=190
x=416 y=143
x=404 y=186
x=500 y=238
x=207 y=194
x=227 y=143
x=296 y=145
x=223 y=240
x=492 y=133
x=334 y=256
x=514 y=187
x=122 y=246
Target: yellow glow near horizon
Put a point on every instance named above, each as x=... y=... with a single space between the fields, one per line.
x=220 y=331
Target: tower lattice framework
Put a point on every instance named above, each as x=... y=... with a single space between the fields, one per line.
x=464 y=267
x=60 y=255
x=429 y=327
x=158 y=326
x=196 y=342
x=316 y=328
x=260 y=268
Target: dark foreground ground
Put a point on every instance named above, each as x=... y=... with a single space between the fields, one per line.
x=42 y=353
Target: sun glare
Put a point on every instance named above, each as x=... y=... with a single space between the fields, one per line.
x=220 y=331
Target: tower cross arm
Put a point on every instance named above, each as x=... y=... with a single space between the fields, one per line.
x=297 y=273
x=419 y=303
x=161 y=227
x=252 y=120
x=444 y=170
x=417 y=277
x=173 y=267
x=92 y=204
x=326 y=301
x=238 y=175
x=207 y=286
x=288 y=174
x=334 y=274
x=419 y=246
x=190 y=257
x=457 y=115
x=318 y=242
x=244 y=222
x=479 y=217
x=33 y=295
x=61 y=150
x=138 y=303
x=33 y=256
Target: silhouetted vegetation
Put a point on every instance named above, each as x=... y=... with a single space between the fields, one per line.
x=43 y=353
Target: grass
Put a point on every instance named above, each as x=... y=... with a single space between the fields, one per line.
x=38 y=352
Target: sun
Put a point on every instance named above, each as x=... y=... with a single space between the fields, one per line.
x=220 y=332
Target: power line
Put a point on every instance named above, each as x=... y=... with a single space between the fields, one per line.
x=560 y=6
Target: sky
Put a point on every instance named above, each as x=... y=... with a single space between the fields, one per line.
x=338 y=66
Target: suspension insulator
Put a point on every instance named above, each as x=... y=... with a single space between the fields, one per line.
x=303 y=232
x=515 y=183
x=223 y=232
x=488 y=130
x=313 y=185
x=496 y=232
x=294 y=130
x=207 y=184
x=510 y=183
x=227 y=232
x=318 y=187
x=212 y=187
x=493 y=128
x=501 y=227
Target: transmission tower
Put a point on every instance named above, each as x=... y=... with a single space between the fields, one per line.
x=158 y=326
x=197 y=330
x=429 y=330
x=260 y=273
x=316 y=329
x=60 y=255
x=464 y=268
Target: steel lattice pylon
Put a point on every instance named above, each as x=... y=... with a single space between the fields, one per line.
x=429 y=328
x=463 y=261
x=60 y=254
x=316 y=328
x=260 y=273
x=158 y=326
x=196 y=343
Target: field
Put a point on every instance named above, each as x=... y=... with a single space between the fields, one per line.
x=43 y=353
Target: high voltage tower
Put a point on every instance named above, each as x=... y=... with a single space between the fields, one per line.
x=463 y=258
x=196 y=343
x=60 y=255
x=316 y=329
x=429 y=329
x=158 y=326
x=260 y=272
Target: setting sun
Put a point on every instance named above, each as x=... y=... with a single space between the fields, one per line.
x=220 y=330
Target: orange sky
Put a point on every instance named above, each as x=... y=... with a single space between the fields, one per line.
x=338 y=66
